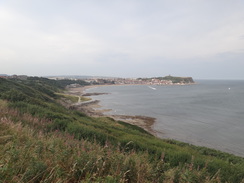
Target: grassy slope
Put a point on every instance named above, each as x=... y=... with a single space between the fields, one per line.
x=32 y=123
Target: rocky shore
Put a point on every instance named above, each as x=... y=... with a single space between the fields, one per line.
x=92 y=108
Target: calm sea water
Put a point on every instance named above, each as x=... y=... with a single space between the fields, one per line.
x=210 y=113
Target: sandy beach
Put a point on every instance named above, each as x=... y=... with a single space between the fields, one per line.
x=92 y=108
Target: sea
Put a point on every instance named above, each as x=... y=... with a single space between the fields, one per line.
x=209 y=113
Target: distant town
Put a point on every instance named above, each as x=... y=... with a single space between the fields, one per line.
x=167 y=80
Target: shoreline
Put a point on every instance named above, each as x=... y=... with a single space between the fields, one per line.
x=147 y=123
x=92 y=109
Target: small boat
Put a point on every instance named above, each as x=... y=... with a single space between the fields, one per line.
x=152 y=88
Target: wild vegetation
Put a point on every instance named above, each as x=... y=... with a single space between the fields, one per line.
x=42 y=141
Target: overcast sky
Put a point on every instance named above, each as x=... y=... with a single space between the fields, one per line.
x=125 y=38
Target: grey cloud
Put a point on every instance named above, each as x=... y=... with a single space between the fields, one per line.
x=128 y=38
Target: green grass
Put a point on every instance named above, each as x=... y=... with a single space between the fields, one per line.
x=33 y=156
x=84 y=99
x=72 y=98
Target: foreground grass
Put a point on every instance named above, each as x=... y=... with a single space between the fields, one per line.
x=28 y=155
x=31 y=151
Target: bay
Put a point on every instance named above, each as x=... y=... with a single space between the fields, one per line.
x=209 y=113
